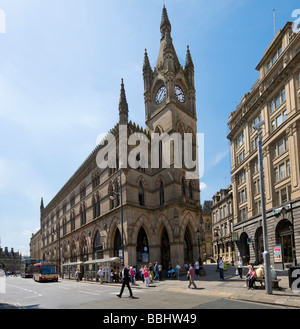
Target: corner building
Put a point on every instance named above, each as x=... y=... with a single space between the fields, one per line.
x=161 y=207
x=275 y=99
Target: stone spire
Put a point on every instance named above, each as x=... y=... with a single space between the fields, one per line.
x=42 y=207
x=147 y=72
x=189 y=69
x=167 y=58
x=123 y=106
x=146 y=66
x=165 y=25
x=188 y=60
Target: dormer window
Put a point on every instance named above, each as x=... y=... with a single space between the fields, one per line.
x=274 y=59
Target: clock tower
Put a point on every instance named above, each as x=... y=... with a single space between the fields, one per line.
x=169 y=89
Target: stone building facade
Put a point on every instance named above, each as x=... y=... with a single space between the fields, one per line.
x=222 y=225
x=36 y=246
x=275 y=99
x=207 y=231
x=11 y=259
x=160 y=206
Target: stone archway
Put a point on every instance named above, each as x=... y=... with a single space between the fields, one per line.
x=284 y=237
x=142 y=247
x=244 y=248
x=165 y=249
x=259 y=245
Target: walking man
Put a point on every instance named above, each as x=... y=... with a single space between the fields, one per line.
x=191 y=274
x=125 y=281
x=156 y=271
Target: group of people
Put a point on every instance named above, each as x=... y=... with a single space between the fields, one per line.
x=252 y=274
x=147 y=274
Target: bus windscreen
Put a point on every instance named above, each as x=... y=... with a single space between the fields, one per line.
x=49 y=269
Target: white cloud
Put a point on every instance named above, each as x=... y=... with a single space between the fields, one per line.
x=203 y=186
x=220 y=156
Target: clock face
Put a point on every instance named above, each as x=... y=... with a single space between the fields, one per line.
x=160 y=95
x=179 y=94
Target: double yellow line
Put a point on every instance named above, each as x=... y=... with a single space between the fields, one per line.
x=18 y=305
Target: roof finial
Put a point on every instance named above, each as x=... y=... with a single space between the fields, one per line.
x=165 y=25
x=123 y=106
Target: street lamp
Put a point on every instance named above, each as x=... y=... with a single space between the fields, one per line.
x=217 y=236
x=268 y=279
x=113 y=197
x=198 y=232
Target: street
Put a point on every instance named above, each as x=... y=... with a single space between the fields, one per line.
x=28 y=294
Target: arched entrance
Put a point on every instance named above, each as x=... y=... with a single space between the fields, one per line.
x=244 y=248
x=284 y=237
x=188 y=249
x=165 y=250
x=97 y=247
x=83 y=254
x=142 y=247
x=259 y=245
x=117 y=243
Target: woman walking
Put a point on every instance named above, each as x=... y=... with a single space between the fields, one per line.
x=146 y=276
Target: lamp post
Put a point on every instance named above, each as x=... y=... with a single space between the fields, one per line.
x=268 y=279
x=217 y=236
x=198 y=232
x=112 y=197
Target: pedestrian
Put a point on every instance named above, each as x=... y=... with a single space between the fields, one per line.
x=125 y=281
x=151 y=273
x=252 y=278
x=240 y=267
x=156 y=271
x=131 y=275
x=221 y=268
x=142 y=273
x=159 y=271
x=197 y=268
x=100 y=274
x=178 y=267
x=186 y=266
x=77 y=275
x=248 y=275
x=146 y=276
x=191 y=274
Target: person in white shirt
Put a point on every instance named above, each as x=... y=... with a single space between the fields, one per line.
x=197 y=268
x=240 y=267
x=221 y=268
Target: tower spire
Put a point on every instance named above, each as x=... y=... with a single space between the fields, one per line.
x=123 y=106
x=42 y=208
x=165 y=25
x=188 y=60
x=167 y=57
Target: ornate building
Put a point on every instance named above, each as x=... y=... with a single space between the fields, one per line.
x=222 y=225
x=10 y=259
x=156 y=210
x=274 y=99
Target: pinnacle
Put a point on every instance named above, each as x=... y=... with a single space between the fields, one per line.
x=188 y=60
x=165 y=22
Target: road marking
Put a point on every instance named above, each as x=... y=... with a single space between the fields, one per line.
x=65 y=288
x=90 y=293
x=33 y=296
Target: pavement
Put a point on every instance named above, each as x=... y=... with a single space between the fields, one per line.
x=232 y=287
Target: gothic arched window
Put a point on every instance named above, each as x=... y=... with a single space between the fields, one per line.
x=190 y=191
x=161 y=194
x=141 y=195
x=182 y=187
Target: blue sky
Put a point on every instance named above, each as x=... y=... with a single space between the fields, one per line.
x=61 y=64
